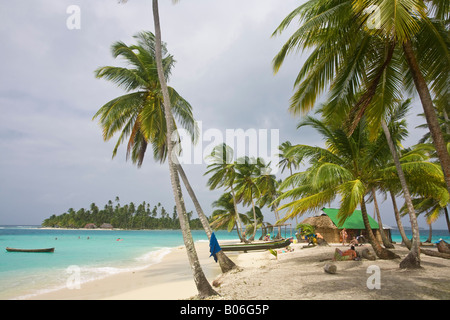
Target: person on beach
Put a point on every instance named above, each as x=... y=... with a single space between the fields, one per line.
x=354 y=242
x=344 y=236
x=349 y=254
x=360 y=239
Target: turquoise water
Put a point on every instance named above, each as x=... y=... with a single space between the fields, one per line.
x=96 y=253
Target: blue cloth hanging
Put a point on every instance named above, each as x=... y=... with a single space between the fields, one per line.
x=214 y=246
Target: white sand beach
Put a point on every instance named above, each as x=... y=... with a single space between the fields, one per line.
x=294 y=275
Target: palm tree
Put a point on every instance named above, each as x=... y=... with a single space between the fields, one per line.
x=252 y=224
x=345 y=168
x=268 y=186
x=225 y=263
x=288 y=160
x=246 y=187
x=348 y=56
x=140 y=115
x=203 y=286
x=224 y=214
x=223 y=170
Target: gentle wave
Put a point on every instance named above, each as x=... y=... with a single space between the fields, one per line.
x=88 y=274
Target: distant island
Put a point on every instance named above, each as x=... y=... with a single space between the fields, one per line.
x=114 y=215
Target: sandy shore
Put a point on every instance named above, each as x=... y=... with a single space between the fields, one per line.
x=169 y=280
x=292 y=275
x=300 y=275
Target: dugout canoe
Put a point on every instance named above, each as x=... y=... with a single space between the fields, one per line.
x=256 y=246
x=30 y=250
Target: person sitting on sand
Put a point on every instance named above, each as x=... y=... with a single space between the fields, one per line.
x=349 y=254
x=360 y=239
x=354 y=242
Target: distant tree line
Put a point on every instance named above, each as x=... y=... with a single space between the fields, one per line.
x=129 y=216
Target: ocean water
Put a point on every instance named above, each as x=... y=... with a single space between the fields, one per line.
x=95 y=254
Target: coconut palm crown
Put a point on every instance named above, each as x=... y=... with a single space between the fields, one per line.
x=139 y=114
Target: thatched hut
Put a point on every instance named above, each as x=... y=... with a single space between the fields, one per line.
x=327 y=224
x=90 y=226
x=106 y=226
x=325 y=227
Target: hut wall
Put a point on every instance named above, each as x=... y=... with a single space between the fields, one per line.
x=329 y=235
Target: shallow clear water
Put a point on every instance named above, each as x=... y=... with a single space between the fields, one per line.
x=96 y=254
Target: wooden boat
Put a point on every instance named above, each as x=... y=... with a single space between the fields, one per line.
x=257 y=245
x=30 y=250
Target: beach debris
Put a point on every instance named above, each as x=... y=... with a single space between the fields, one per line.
x=217 y=282
x=274 y=252
x=330 y=268
x=368 y=255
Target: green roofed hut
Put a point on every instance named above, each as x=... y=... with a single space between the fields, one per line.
x=327 y=224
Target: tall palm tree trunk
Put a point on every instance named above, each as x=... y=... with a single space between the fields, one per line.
x=405 y=239
x=386 y=242
x=238 y=219
x=203 y=287
x=430 y=233
x=412 y=260
x=225 y=263
x=381 y=252
x=447 y=218
x=255 y=221
x=430 y=113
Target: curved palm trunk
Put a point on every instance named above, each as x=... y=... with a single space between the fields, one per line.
x=381 y=252
x=405 y=239
x=412 y=260
x=203 y=286
x=238 y=219
x=447 y=218
x=386 y=242
x=277 y=216
x=430 y=233
x=225 y=263
x=254 y=219
x=430 y=113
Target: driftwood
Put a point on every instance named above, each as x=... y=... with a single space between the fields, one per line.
x=443 y=250
x=435 y=253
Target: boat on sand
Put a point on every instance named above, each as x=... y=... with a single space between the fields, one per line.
x=256 y=245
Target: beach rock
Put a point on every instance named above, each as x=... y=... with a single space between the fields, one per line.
x=443 y=247
x=368 y=255
x=330 y=268
x=218 y=281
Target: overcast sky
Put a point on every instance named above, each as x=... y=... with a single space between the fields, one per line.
x=52 y=155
